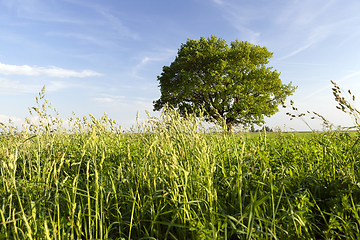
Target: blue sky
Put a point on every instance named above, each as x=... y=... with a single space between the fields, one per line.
x=104 y=56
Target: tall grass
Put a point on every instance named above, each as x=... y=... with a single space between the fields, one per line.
x=170 y=179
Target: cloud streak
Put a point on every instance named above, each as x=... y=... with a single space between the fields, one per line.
x=219 y=2
x=83 y=37
x=7 y=69
x=5 y=119
x=328 y=86
x=107 y=98
x=149 y=58
x=241 y=16
x=11 y=87
x=118 y=26
x=307 y=23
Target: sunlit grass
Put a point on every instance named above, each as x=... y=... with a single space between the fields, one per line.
x=170 y=179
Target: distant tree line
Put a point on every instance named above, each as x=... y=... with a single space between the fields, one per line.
x=263 y=129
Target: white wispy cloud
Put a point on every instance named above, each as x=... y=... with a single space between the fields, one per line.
x=145 y=60
x=26 y=70
x=148 y=58
x=109 y=19
x=107 y=98
x=297 y=25
x=328 y=86
x=296 y=51
x=84 y=38
x=41 y=11
x=307 y=23
x=57 y=12
x=248 y=34
x=14 y=87
x=241 y=16
x=5 y=119
x=103 y=100
x=119 y=26
x=123 y=101
x=58 y=85
x=305 y=12
x=219 y=2
x=317 y=35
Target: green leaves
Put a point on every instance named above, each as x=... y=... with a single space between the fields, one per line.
x=229 y=82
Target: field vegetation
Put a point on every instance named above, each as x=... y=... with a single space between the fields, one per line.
x=171 y=178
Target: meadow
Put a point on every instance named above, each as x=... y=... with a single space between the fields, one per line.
x=170 y=178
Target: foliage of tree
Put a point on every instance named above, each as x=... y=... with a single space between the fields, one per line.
x=228 y=82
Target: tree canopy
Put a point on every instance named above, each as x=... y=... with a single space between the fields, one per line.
x=230 y=82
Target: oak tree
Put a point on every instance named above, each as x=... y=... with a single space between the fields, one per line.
x=229 y=82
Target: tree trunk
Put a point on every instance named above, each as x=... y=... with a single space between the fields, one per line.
x=229 y=123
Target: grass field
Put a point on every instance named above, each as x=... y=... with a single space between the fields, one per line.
x=168 y=179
